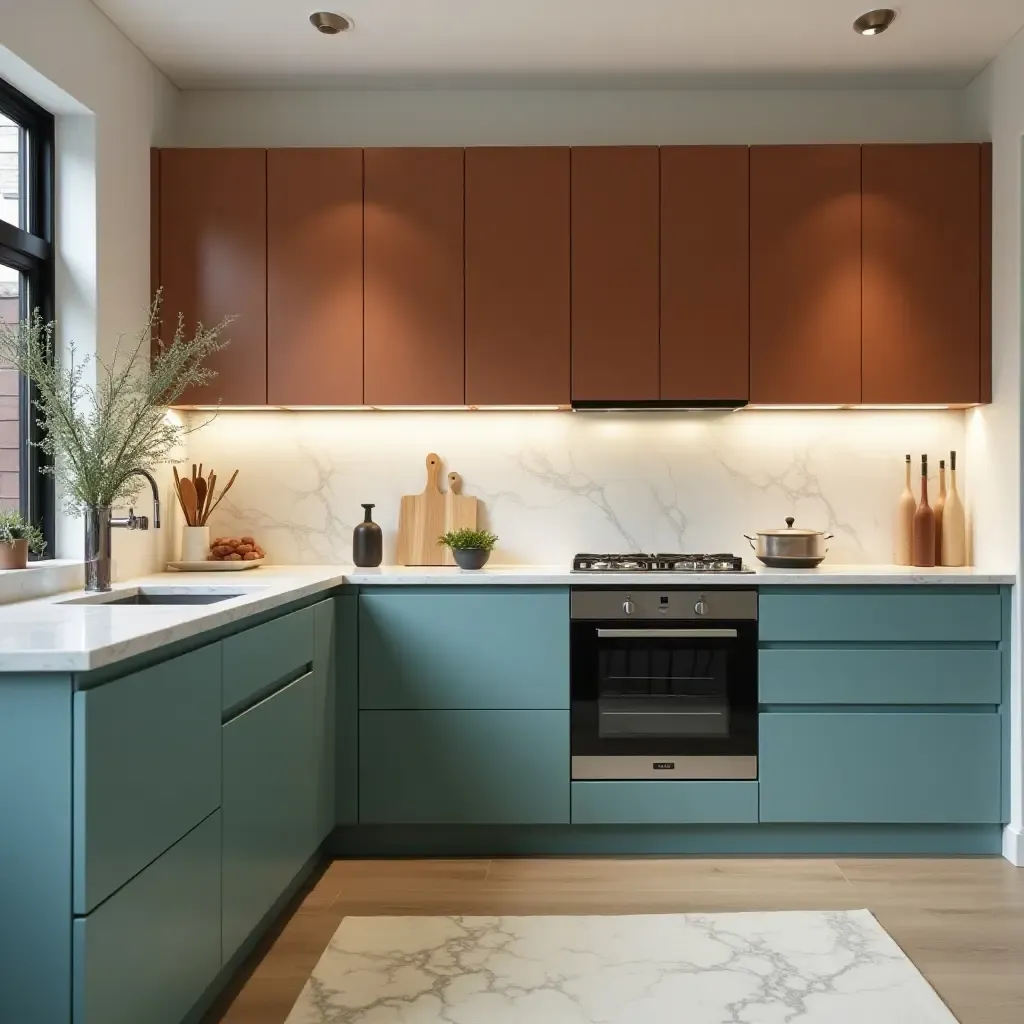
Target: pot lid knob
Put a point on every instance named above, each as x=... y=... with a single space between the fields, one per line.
x=790 y=521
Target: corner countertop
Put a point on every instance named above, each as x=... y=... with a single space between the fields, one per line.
x=50 y=635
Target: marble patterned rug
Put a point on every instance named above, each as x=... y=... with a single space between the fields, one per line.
x=815 y=967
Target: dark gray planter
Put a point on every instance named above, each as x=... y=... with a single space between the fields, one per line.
x=470 y=558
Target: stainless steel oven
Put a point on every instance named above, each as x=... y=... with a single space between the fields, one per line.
x=664 y=684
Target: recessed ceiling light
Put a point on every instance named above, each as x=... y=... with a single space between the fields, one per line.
x=330 y=23
x=874 y=23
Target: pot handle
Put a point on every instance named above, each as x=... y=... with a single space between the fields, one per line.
x=751 y=539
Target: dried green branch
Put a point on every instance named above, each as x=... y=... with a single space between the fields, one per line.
x=98 y=434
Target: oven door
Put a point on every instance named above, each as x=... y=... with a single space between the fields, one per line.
x=657 y=701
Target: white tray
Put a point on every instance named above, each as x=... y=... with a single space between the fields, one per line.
x=215 y=566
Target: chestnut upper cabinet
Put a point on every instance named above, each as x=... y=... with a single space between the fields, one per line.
x=517 y=276
x=414 y=340
x=805 y=275
x=705 y=260
x=315 y=277
x=615 y=273
x=213 y=261
x=922 y=268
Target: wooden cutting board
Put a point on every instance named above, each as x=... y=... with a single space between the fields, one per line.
x=421 y=520
x=460 y=511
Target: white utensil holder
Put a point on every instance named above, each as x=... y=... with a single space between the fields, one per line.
x=195 y=543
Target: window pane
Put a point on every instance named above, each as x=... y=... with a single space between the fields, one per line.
x=11 y=149
x=12 y=430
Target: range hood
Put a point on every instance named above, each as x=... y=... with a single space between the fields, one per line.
x=658 y=405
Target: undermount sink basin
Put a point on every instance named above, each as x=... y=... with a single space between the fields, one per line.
x=148 y=596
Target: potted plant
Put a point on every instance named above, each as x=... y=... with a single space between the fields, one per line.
x=101 y=436
x=17 y=539
x=470 y=548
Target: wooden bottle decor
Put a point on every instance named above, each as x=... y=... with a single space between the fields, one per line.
x=924 y=524
x=937 y=508
x=903 y=550
x=954 y=529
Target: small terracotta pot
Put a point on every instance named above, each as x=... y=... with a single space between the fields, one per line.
x=14 y=554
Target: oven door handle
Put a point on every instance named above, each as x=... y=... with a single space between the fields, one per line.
x=665 y=634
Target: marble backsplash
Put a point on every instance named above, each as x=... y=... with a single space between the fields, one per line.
x=554 y=483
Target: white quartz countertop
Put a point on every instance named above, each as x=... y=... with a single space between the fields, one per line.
x=540 y=575
x=50 y=635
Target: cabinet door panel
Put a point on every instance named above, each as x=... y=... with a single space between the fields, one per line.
x=315 y=276
x=414 y=295
x=705 y=272
x=213 y=262
x=464 y=767
x=922 y=273
x=146 y=768
x=269 y=805
x=615 y=229
x=898 y=768
x=464 y=651
x=805 y=275
x=151 y=950
x=517 y=276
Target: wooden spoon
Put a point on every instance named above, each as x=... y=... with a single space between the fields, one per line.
x=200 y=498
x=188 y=501
x=177 y=489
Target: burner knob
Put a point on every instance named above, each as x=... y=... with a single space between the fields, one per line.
x=628 y=607
x=701 y=607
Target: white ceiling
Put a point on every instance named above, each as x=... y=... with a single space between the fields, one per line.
x=267 y=43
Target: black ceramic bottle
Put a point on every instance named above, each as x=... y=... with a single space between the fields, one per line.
x=367 y=542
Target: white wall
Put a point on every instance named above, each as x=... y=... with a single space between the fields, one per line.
x=581 y=117
x=112 y=105
x=995 y=107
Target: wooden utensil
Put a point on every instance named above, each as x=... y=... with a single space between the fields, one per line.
x=200 y=498
x=177 y=489
x=209 y=496
x=421 y=519
x=187 y=490
x=222 y=493
x=460 y=511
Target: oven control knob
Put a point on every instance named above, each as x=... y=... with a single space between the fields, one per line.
x=701 y=607
x=628 y=607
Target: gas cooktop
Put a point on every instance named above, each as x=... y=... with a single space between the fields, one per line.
x=659 y=563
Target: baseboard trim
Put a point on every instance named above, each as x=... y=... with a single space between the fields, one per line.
x=655 y=840
x=1013 y=846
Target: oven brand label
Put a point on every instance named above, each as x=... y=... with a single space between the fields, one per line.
x=664 y=765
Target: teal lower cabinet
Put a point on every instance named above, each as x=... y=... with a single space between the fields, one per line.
x=150 y=951
x=269 y=806
x=464 y=767
x=663 y=803
x=879 y=767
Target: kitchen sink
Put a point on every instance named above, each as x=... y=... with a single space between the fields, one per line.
x=149 y=596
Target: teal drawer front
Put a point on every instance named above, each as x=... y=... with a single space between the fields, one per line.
x=146 y=768
x=901 y=615
x=879 y=676
x=663 y=803
x=153 y=948
x=346 y=668
x=464 y=767
x=270 y=808
x=899 y=768
x=465 y=650
x=264 y=655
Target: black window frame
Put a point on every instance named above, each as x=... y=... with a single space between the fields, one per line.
x=30 y=250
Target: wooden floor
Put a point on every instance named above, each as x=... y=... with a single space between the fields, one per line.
x=960 y=920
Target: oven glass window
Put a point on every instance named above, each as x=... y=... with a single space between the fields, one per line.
x=650 y=690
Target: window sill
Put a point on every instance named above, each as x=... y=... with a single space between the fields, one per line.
x=41 y=579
